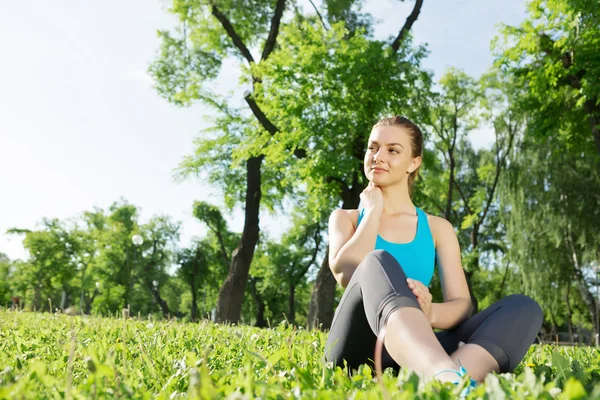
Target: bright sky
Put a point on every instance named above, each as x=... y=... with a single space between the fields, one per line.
x=81 y=125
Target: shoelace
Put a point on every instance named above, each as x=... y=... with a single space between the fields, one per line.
x=379 y=370
x=461 y=373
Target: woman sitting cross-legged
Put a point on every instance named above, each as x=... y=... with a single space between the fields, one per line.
x=383 y=255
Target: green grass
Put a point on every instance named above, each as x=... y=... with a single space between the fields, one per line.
x=57 y=356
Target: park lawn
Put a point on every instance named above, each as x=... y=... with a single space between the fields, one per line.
x=43 y=355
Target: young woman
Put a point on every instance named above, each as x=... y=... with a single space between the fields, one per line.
x=384 y=254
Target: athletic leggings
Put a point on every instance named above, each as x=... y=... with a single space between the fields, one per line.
x=378 y=287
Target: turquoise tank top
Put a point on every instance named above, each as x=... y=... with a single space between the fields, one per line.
x=417 y=258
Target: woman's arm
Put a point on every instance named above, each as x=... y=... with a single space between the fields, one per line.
x=347 y=246
x=457 y=300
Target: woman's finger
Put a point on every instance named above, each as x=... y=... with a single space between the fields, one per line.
x=422 y=287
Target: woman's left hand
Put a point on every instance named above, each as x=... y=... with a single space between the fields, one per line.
x=423 y=296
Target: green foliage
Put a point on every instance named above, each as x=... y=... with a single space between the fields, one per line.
x=283 y=268
x=5 y=294
x=56 y=356
x=324 y=90
x=553 y=57
x=554 y=223
x=89 y=263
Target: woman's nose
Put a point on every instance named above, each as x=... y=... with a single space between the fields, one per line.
x=378 y=156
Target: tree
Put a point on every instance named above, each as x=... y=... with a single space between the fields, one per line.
x=192 y=267
x=5 y=291
x=281 y=267
x=453 y=116
x=324 y=89
x=157 y=251
x=472 y=176
x=217 y=30
x=53 y=252
x=554 y=221
x=553 y=56
x=185 y=65
x=207 y=261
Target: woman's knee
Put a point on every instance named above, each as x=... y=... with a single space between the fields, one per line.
x=527 y=314
x=526 y=306
x=378 y=256
x=382 y=258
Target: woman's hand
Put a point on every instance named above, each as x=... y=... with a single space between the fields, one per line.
x=372 y=198
x=423 y=296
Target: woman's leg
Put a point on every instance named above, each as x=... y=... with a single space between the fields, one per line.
x=351 y=338
x=497 y=338
x=379 y=286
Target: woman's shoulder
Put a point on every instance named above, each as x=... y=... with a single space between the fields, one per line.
x=351 y=215
x=440 y=228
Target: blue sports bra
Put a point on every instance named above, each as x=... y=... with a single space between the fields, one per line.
x=417 y=258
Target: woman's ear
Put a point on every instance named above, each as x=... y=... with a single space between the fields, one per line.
x=416 y=163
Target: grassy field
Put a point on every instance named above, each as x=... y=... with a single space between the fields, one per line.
x=57 y=356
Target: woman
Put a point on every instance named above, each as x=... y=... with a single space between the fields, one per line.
x=383 y=255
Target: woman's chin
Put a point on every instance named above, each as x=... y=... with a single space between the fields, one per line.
x=378 y=181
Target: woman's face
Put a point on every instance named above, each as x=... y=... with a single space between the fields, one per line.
x=389 y=155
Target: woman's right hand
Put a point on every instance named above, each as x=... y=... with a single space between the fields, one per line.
x=372 y=198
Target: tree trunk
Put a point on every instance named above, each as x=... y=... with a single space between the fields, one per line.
x=82 y=297
x=473 y=268
x=63 y=300
x=593 y=111
x=450 y=187
x=37 y=294
x=501 y=289
x=231 y=294
x=194 y=311
x=321 y=307
x=260 y=304
x=569 y=313
x=129 y=286
x=474 y=301
x=589 y=301
x=554 y=330
x=89 y=301
x=291 y=305
x=164 y=307
x=588 y=297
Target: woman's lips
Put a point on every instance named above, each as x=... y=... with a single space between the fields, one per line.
x=378 y=170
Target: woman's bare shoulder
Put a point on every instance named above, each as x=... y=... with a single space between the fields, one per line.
x=440 y=228
x=351 y=215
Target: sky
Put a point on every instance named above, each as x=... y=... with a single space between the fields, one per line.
x=81 y=125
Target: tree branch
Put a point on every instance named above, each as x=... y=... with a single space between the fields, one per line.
x=317 y=240
x=266 y=123
x=260 y=116
x=463 y=197
x=237 y=41
x=274 y=31
x=269 y=46
x=407 y=25
x=319 y=15
x=223 y=250
x=499 y=165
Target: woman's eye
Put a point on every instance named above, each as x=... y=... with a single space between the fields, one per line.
x=395 y=151
x=371 y=148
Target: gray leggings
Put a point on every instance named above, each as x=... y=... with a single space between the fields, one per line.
x=378 y=287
